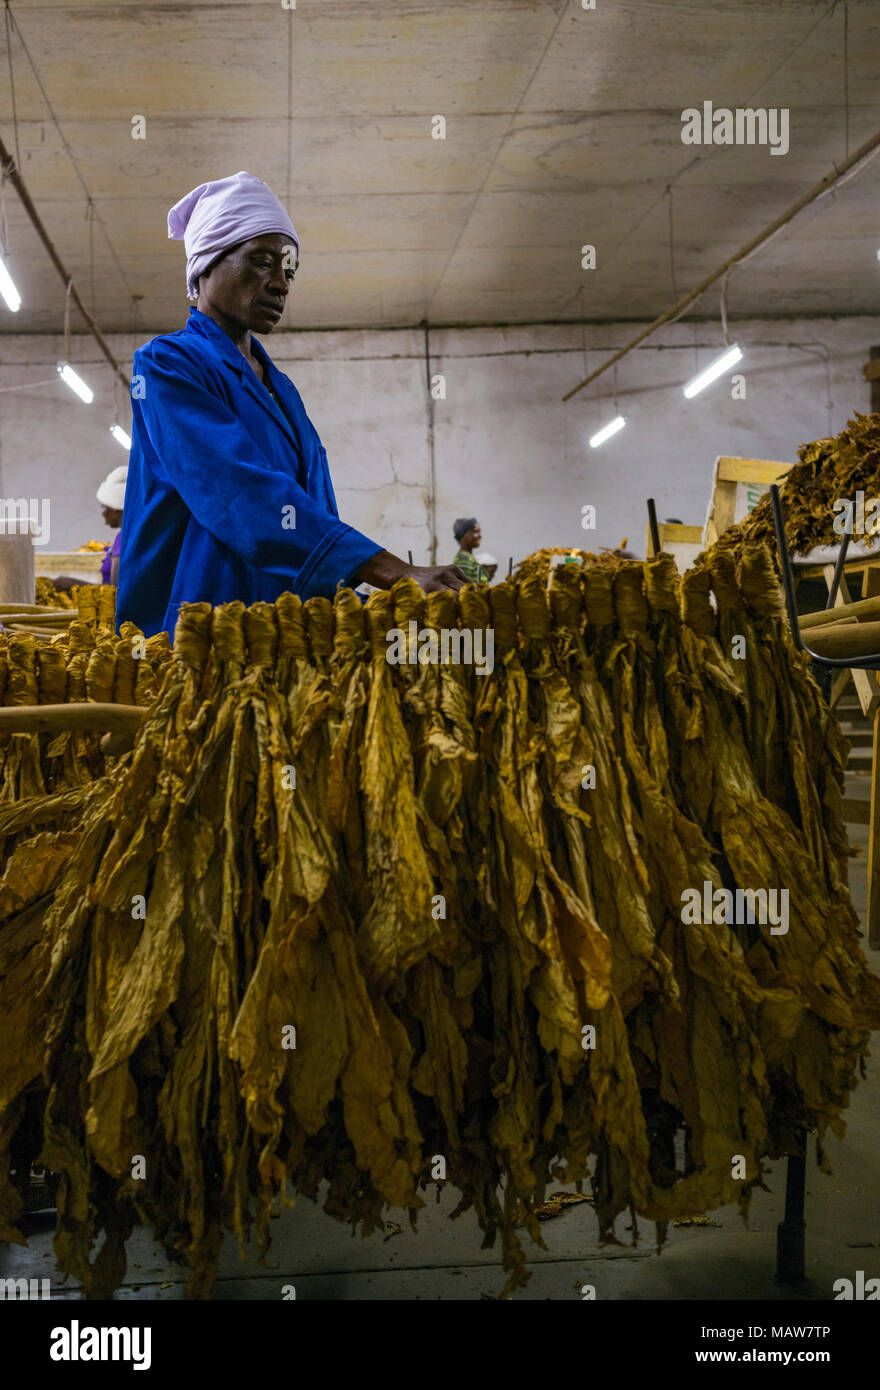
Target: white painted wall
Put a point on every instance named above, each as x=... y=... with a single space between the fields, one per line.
x=506 y=448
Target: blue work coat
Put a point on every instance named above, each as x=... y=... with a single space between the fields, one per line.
x=228 y=496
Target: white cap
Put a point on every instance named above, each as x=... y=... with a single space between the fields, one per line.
x=111 y=493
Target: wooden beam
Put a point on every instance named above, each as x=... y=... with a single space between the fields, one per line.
x=726 y=475
x=740 y=470
x=866 y=689
x=846 y=638
x=863 y=609
x=838 y=686
x=51 y=617
x=85 y=561
x=79 y=718
x=823 y=186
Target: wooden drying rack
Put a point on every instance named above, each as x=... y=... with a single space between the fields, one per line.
x=728 y=473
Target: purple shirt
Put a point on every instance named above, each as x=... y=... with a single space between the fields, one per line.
x=107 y=561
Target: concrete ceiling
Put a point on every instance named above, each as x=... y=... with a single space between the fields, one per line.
x=563 y=127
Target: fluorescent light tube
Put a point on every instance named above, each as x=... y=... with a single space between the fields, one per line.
x=8 y=290
x=616 y=424
x=120 y=436
x=76 y=383
x=713 y=371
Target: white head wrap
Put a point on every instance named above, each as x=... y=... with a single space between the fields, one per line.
x=218 y=215
x=111 y=493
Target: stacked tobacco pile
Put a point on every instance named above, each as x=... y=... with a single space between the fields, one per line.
x=88 y=662
x=830 y=471
x=51 y=597
x=333 y=918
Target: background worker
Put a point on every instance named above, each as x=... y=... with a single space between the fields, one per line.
x=468 y=534
x=111 y=495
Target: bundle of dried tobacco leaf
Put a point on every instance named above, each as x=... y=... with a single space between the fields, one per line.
x=815 y=493
x=338 y=919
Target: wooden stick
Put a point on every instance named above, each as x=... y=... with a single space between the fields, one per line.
x=685 y=300
x=43 y=615
x=856 y=639
x=863 y=608
x=78 y=718
x=822 y=186
x=842 y=621
x=25 y=607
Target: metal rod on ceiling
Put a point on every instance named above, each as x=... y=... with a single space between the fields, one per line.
x=9 y=169
x=681 y=304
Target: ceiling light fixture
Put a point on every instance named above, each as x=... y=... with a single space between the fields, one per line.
x=616 y=424
x=76 y=383
x=120 y=436
x=8 y=290
x=713 y=371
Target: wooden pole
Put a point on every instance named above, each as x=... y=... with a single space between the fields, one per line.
x=681 y=304
x=842 y=639
x=79 y=718
x=863 y=609
x=53 y=617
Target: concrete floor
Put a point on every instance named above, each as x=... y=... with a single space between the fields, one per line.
x=443 y=1259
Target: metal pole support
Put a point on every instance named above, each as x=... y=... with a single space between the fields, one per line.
x=791 y=1232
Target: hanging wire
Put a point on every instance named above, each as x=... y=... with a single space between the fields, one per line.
x=616 y=411
x=67 y=321
x=820 y=350
x=31 y=385
x=4 y=228
x=724 y=309
x=671 y=220
x=90 y=218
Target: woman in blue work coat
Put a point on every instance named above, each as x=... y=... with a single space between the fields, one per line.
x=229 y=493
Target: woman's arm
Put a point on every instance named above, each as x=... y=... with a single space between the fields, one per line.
x=383 y=569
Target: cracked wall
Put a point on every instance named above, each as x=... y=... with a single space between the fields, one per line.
x=506 y=448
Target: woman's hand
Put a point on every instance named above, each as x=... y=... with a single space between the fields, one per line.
x=384 y=569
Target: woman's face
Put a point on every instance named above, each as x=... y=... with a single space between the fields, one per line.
x=112 y=516
x=249 y=285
